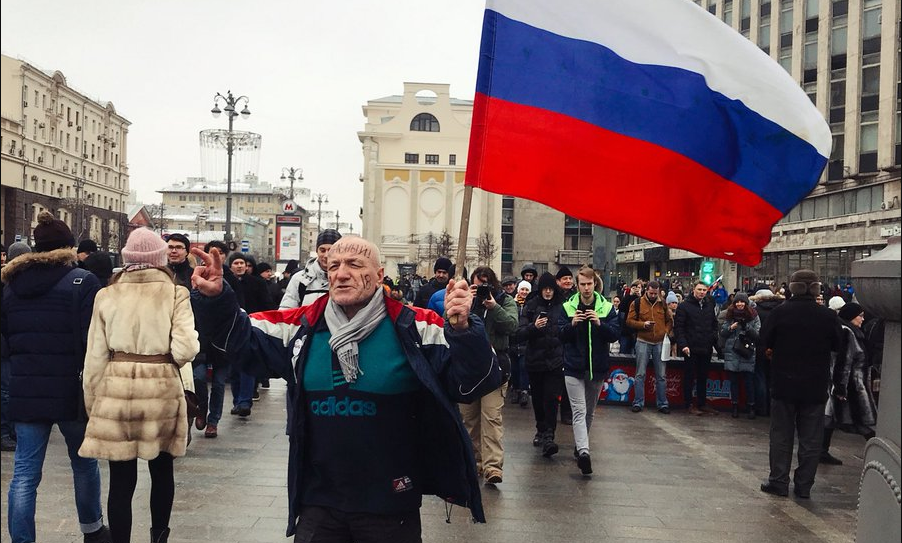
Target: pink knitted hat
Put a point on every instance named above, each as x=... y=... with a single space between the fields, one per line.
x=144 y=247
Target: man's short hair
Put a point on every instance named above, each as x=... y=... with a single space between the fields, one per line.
x=653 y=284
x=181 y=238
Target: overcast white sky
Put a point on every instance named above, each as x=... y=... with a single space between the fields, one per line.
x=307 y=67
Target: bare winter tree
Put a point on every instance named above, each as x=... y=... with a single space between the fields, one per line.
x=486 y=248
x=444 y=244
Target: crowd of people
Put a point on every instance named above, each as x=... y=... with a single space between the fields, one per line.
x=396 y=389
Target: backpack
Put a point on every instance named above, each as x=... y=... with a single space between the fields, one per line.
x=626 y=331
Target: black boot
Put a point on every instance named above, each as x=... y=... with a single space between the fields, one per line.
x=735 y=410
x=159 y=536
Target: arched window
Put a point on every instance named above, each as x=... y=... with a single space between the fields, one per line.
x=424 y=122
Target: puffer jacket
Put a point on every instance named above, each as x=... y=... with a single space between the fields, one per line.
x=732 y=360
x=46 y=313
x=587 y=345
x=695 y=325
x=544 y=351
x=137 y=408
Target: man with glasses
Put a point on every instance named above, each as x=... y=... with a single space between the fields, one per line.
x=177 y=246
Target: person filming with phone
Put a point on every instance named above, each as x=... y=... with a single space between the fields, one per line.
x=482 y=418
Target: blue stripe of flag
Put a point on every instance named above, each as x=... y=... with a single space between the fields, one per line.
x=667 y=106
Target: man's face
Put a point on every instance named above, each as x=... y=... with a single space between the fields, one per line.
x=266 y=274
x=700 y=291
x=81 y=257
x=509 y=288
x=548 y=293
x=529 y=276
x=652 y=293
x=820 y=299
x=565 y=282
x=239 y=267
x=354 y=273
x=586 y=286
x=441 y=276
x=322 y=255
x=176 y=252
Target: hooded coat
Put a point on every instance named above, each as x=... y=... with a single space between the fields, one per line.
x=544 y=351
x=137 y=408
x=587 y=345
x=46 y=311
x=851 y=375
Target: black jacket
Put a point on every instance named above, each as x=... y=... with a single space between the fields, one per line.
x=695 y=325
x=46 y=313
x=256 y=294
x=182 y=273
x=426 y=292
x=544 y=351
x=802 y=334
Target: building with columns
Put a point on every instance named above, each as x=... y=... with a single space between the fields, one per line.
x=415 y=157
x=62 y=152
x=846 y=56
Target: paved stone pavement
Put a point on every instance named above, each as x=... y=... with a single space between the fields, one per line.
x=657 y=478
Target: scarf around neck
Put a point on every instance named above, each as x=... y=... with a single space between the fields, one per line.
x=348 y=333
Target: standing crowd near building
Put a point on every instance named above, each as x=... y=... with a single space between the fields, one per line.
x=377 y=384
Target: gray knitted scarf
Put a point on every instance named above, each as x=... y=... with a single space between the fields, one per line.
x=347 y=333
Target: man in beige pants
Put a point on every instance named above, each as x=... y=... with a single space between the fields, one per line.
x=482 y=418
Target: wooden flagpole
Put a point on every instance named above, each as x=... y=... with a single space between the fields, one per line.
x=461 y=261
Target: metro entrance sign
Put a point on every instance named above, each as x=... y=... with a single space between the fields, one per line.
x=707 y=272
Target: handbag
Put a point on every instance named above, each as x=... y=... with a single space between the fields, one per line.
x=193 y=404
x=744 y=345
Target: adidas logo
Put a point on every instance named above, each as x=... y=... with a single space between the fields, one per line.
x=331 y=407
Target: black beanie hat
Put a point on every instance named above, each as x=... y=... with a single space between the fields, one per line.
x=329 y=235
x=237 y=256
x=850 y=311
x=442 y=263
x=546 y=280
x=86 y=246
x=51 y=233
x=261 y=267
x=100 y=264
x=563 y=272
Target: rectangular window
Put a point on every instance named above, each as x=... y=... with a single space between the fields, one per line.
x=868 y=142
x=811 y=9
x=870 y=80
x=863 y=204
x=810 y=54
x=764 y=34
x=820 y=207
x=728 y=12
x=786 y=17
x=431 y=159
x=839 y=36
x=870 y=24
x=452 y=160
x=411 y=158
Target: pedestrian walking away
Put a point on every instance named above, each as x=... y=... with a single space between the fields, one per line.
x=134 y=389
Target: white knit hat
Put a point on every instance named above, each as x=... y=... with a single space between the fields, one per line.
x=145 y=247
x=524 y=284
x=836 y=303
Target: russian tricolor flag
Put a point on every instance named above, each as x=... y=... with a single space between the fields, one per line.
x=648 y=116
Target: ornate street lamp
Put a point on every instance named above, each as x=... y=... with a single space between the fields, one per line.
x=320 y=199
x=293 y=174
x=230 y=104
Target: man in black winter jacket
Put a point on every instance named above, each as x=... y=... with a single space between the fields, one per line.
x=798 y=337
x=442 y=271
x=177 y=246
x=46 y=312
x=695 y=330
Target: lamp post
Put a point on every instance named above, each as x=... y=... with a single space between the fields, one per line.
x=201 y=216
x=320 y=199
x=293 y=174
x=337 y=217
x=230 y=103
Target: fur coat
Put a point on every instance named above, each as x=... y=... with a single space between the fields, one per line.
x=137 y=409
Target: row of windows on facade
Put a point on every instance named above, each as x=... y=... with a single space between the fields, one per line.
x=268 y=199
x=833 y=266
x=414 y=158
x=73 y=169
x=67 y=110
x=57 y=191
x=65 y=143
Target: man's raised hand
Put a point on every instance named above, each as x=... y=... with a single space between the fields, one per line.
x=458 y=301
x=207 y=276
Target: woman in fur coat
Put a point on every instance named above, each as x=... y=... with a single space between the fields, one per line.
x=142 y=332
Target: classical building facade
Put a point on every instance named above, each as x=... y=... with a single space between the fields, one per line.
x=63 y=152
x=415 y=158
x=846 y=56
x=197 y=207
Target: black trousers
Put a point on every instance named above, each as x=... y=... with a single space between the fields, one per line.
x=696 y=370
x=123 y=479
x=327 y=525
x=786 y=420
x=546 y=387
